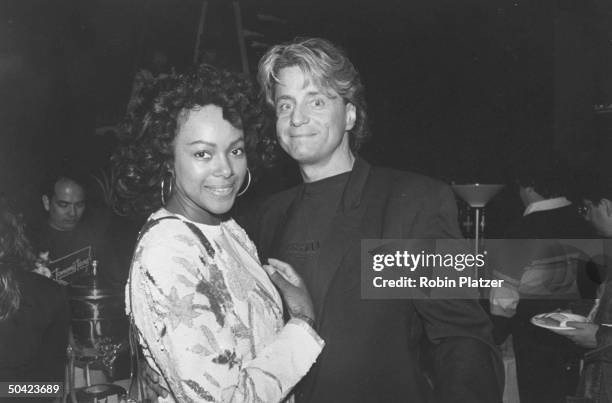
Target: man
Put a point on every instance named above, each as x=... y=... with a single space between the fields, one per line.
x=547 y=365
x=68 y=242
x=373 y=347
x=596 y=335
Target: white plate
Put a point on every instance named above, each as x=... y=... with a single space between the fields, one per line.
x=561 y=316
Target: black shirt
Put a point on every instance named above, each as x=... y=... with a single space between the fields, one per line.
x=74 y=251
x=308 y=226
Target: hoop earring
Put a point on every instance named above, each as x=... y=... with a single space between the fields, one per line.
x=162 y=189
x=243 y=191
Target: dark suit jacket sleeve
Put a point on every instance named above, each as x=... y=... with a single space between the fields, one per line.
x=467 y=366
x=444 y=222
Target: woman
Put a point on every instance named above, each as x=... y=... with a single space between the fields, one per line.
x=34 y=315
x=210 y=320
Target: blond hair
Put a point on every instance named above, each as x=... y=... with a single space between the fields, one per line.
x=330 y=69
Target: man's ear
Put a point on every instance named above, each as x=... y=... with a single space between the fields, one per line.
x=46 y=202
x=351 y=116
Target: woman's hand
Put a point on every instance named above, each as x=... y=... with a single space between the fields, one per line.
x=293 y=289
x=152 y=388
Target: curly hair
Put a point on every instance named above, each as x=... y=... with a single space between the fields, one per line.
x=16 y=253
x=145 y=153
x=329 y=67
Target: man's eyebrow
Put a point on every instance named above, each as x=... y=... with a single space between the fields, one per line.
x=283 y=97
x=311 y=93
x=324 y=93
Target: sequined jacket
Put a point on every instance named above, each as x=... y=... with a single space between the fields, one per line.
x=212 y=326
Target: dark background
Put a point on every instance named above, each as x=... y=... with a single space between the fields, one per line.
x=462 y=90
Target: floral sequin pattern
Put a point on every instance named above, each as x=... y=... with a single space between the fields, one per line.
x=202 y=316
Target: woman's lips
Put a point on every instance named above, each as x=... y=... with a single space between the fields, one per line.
x=220 y=191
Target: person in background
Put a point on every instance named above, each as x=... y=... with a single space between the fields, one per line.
x=596 y=334
x=209 y=319
x=546 y=280
x=34 y=316
x=65 y=239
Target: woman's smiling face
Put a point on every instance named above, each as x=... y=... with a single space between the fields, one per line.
x=209 y=165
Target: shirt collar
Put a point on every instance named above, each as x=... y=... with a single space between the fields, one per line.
x=548 y=204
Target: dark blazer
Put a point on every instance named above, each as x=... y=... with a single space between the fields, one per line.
x=373 y=347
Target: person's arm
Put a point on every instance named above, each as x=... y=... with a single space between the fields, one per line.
x=186 y=316
x=597 y=338
x=604 y=342
x=467 y=366
x=503 y=300
x=444 y=222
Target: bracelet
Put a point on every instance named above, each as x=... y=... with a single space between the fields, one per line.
x=310 y=321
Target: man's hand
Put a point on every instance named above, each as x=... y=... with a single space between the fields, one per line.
x=293 y=290
x=583 y=333
x=152 y=388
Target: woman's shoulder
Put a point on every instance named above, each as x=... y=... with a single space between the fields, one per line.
x=162 y=217
x=166 y=241
x=241 y=235
x=235 y=228
x=163 y=226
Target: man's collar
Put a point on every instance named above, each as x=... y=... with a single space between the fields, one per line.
x=547 y=204
x=351 y=196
